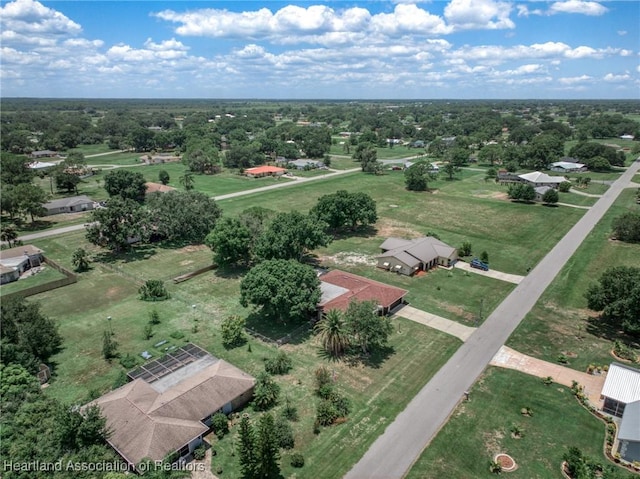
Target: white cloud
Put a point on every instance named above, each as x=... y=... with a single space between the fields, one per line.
x=622 y=33
x=574 y=80
x=578 y=6
x=408 y=18
x=30 y=16
x=610 y=77
x=478 y=14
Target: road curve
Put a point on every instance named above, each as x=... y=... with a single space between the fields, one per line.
x=394 y=452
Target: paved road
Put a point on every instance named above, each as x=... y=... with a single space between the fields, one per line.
x=395 y=451
x=53 y=232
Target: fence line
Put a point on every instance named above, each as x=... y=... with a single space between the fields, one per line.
x=69 y=278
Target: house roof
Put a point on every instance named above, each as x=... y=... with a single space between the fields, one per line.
x=67 y=202
x=153 y=187
x=304 y=163
x=39 y=165
x=19 y=251
x=358 y=288
x=567 y=165
x=539 y=177
x=630 y=424
x=411 y=252
x=6 y=269
x=151 y=420
x=265 y=169
x=622 y=383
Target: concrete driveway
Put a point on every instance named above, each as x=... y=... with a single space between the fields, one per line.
x=458 y=330
x=509 y=278
x=511 y=359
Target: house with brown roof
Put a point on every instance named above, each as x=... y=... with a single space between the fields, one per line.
x=167 y=408
x=339 y=288
x=420 y=254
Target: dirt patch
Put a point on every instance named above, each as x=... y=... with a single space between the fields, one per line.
x=113 y=292
x=186 y=262
x=387 y=227
x=193 y=248
x=493 y=441
x=458 y=311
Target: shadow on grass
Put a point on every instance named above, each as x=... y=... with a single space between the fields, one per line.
x=603 y=328
x=137 y=253
x=367 y=231
x=275 y=331
x=374 y=359
x=231 y=272
x=549 y=205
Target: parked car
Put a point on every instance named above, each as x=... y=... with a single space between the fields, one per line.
x=476 y=263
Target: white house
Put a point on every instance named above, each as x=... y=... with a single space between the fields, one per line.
x=567 y=167
x=538 y=178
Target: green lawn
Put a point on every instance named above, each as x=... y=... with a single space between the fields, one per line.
x=340 y=163
x=481 y=428
x=92 y=149
x=560 y=322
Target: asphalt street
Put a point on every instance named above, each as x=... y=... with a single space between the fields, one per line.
x=394 y=452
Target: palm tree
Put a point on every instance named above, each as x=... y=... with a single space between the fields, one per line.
x=80 y=259
x=9 y=234
x=333 y=332
x=187 y=181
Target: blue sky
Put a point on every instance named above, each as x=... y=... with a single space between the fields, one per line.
x=400 y=49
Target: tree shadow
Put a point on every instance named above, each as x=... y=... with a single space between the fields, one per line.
x=275 y=331
x=137 y=253
x=231 y=271
x=549 y=205
x=363 y=231
x=374 y=359
x=605 y=329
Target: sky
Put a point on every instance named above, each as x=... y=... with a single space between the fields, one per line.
x=287 y=49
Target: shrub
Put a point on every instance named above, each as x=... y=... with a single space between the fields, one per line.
x=495 y=467
x=484 y=257
x=325 y=391
x=465 y=249
x=297 y=460
x=284 y=433
x=128 y=361
x=623 y=351
x=547 y=381
x=326 y=413
x=199 y=452
x=154 y=317
x=177 y=335
x=153 y=290
x=232 y=330
x=290 y=412
x=563 y=359
x=220 y=424
x=148 y=331
x=281 y=364
x=564 y=187
x=323 y=377
x=266 y=392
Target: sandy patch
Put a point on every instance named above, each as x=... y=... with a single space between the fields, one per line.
x=186 y=262
x=492 y=441
x=193 y=248
x=387 y=227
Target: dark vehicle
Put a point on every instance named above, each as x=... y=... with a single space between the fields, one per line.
x=476 y=263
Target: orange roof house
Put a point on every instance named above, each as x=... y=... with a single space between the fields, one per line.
x=265 y=170
x=339 y=288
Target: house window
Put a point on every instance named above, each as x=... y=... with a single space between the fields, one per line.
x=184 y=451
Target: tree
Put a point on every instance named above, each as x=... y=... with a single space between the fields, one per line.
x=367 y=155
x=163 y=177
x=27 y=336
x=343 y=209
x=418 y=175
x=183 y=215
x=247 y=451
x=80 y=260
x=491 y=174
x=550 y=197
x=266 y=392
x=232 y=331
x=564 y=187
x=67 y=181
x=30 y=199
x=291 y=236
x=450 y=169
x=115 y=227
x=284 y=433
x=333 y=333
x=153 y=290
x=8 y=234
x=281 y=289
x=281 y=364
x=627 y=227
x=484 y=257
x=109 y=346
x=617 y=295
x=231 y=242
x=15 y=170
x=490 y=154
x=465 y=249
x=187 y=181
x=368 y=329
x=267 y=450
x=202 y=157
x=521 y=192
x=125 y=184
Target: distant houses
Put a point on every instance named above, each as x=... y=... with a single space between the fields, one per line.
x=567 y=167
x=410 y=256
x=35 y=155
x=265 y=170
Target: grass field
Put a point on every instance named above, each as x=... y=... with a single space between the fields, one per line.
x=481 y=428
x=560 y=322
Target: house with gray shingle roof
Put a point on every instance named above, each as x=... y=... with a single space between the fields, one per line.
x=73 y=204
x=420 y=254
